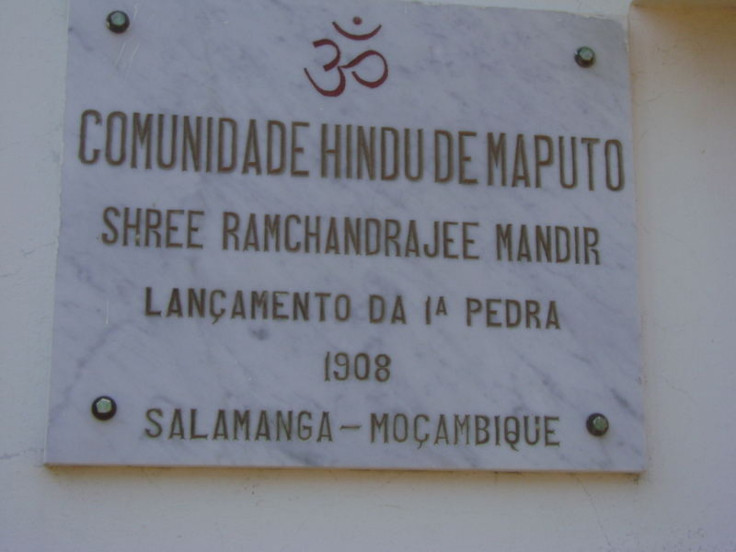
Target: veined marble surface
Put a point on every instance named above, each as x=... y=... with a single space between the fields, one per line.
x=233 y=373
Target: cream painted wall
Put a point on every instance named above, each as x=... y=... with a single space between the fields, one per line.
x=684 y=87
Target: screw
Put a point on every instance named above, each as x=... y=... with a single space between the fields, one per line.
x=104 y=408
x=597 y=424
x=585 y=56
x=118 y=21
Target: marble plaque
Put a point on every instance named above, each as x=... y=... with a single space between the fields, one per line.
x=342 y=234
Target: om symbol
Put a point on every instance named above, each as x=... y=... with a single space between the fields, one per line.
x=351 y=65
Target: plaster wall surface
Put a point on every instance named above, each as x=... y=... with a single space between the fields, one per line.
x=683 y=64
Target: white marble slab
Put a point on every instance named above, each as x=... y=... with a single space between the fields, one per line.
x=243 y=383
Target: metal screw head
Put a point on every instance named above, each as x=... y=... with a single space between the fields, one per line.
x=585 y=56
x=118 y=21
x=597 y=424
x=104 y=408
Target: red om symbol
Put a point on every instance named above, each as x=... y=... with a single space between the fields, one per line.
x=335 y=62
